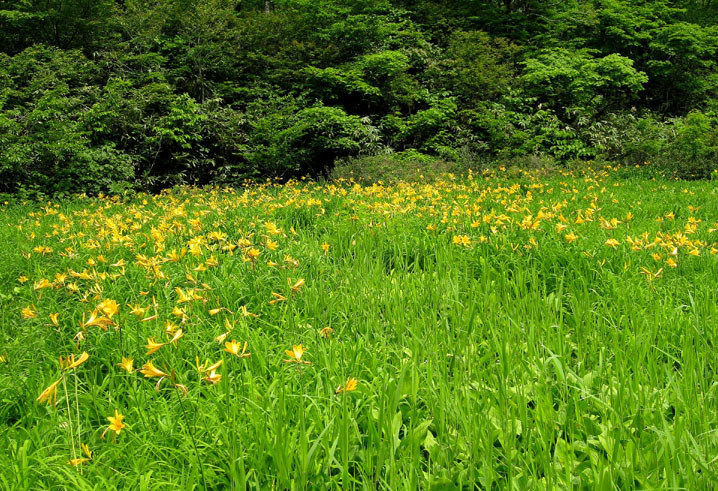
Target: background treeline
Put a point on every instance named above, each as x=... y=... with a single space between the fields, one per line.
x=99 y=95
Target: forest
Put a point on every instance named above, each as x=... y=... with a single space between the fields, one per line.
x=101 y=96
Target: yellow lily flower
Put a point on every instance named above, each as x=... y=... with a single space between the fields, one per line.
x=326 y=331
x=150 y=371
x=127 y=364
x=29 y=313
x=213 y=377
x=108 y=307
x=234 y=347
x=50 y=394
x=70 y=362
x=153 y=346
x=295 y=355
x=351 y=385
x=115 y=425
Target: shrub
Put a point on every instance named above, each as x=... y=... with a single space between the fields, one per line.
x=410 y=165
x=307 y=141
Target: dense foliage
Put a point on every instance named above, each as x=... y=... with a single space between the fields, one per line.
x=106 y=95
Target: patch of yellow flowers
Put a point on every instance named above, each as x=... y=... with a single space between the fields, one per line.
x=176 y=240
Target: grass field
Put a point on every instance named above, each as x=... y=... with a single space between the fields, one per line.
x=491 y=331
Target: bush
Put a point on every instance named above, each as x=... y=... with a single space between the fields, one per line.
x=410 y=165
x=694 y=150
x=685 y=147
x=45 y=148
x=578 y=83
x=306 y=142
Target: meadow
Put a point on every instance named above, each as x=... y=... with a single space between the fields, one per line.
x=498 y=330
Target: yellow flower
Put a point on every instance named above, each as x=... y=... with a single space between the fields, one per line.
x=153 y=346
x=53 y=319
x=206 y=367
x=278 y=297
x=150 y=371
x=325 y=248
x=50 y=394
x=127 y=364
x=671 y=262
x=78 y=461
x=271 y=228
x=178 y=334
x=245 y=313
x=213 y=377
x=570 y=237
x=295 y=354
x=101 y=321
x=116 y=423
x=170 y=328
x=650 y=275
x=351 y=385
x=326 y=331
x=82 y=460
x=612 y=243
x=108 y=307
x=29 y=312
x=296 y=286
x=70 y=362
x=138 y=310
x=183 y=297
x=178 y=312
x=233 y=348
x=272 y=245
x=461 y=240
x=43 y=283
x=221 y=337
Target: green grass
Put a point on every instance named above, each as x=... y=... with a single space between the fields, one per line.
x=520 y=360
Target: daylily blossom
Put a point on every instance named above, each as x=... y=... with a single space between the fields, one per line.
x=150 y=371
x=70 y=362
x=116 y=423
x=127 y=364
x=49 y=395
x=234 y=347
x=29 y=313
x=153 y=346
x=295 y=355
x=348 y=387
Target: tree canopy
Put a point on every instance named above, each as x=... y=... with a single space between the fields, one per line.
x=105 y=95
